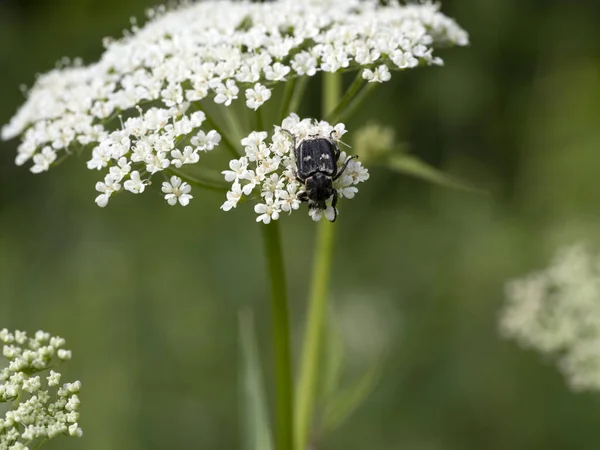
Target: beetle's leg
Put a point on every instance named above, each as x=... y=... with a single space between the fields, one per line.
x=334 y=203
x=303 y=196
x=293 y=136
x=339 y=174
x=336 y=151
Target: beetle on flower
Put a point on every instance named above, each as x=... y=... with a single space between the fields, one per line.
x=301 y=164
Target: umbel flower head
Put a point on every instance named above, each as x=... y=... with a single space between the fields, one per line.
x=269 y=171
x=141 y=109
x=42 y=408
x=557 y=311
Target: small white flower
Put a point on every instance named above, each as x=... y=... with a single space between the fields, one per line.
x=257 y=96
x=188 y=156
x=348 y=191
x=305 y=64
x=64 y=354
x=289 y=198
x=317 y=214
x=380 y=75
x=107 y=188
x=32 y=385
x=73 y=403
x=57 y=341
x=177 y=191
x=157 y=162
x=172 y=95
x=277 y=72
x=238 y=170
x=42 y=160
x=206 y=141
x=226 y=93
x=135 y=184
x=121 y=170
x=53 y=378
x=233 y=197
x=75 y=431
x=404 y=60
x=267 y=211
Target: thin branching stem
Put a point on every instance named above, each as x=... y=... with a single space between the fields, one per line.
x=259 y=120
x=198 y=182
x=281 y=336
x=357 y=101
x=235 y=126
x=288 y=94
x=348 y=97
x=224 y=137
x=297 y=95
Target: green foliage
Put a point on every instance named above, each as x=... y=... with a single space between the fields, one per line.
x=414 y=167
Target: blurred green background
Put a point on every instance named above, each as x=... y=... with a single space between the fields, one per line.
x=147 y=295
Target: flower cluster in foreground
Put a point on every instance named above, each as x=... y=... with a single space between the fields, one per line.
x=557 y=311
x=269 y=169
x=141 y=108
x=42 y=408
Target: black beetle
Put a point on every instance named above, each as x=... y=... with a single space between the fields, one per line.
x=316 y=169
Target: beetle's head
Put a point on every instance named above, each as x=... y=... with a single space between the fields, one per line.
x=319 y=188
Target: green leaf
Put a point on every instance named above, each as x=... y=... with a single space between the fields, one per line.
x=413 y=166
x=340 y=406
x=256 y=433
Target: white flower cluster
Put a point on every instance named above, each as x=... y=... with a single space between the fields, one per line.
x=132 y=107
x=36 y=415
x=271 y=170
x=557 y=311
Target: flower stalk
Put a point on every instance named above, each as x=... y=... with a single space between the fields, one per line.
x=281 y=336
x=332 y=114
x=317 y=305
x=231 y=147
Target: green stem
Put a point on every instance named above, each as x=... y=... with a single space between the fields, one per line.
x=226 y=140
x=341 y=105
x=259 y=120
x=297 y=96
x=317 y=305
x=332 y=91
x=204 y=184
x=281 y=336
x=39 y=445
x=236 y=128
x=288 y=94
x=356 y=102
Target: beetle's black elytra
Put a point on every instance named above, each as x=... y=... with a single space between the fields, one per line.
x=316 y=169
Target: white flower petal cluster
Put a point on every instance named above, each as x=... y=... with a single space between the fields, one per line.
x=267 y=172
x=557 y=311
x=137 y=107
x=41 y=409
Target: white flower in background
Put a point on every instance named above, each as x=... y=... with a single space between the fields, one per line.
x=177 y=191
x=269 y=170
x=41 y=410
x=138 y=108
x=557 y=311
